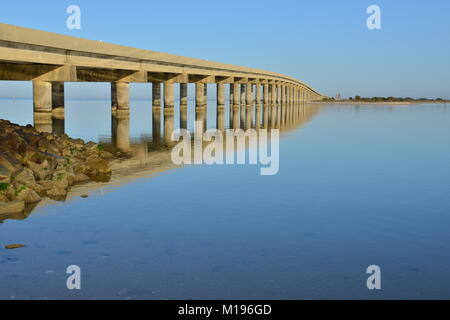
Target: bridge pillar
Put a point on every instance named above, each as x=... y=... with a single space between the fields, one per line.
x=243 y=105
x=248 y=106
x=58 y=100
x=258 y=106
x=248 y=96
x=289 y=105
x=120 y=99
x=273 y=107
x=42 y=106
x=230 y=105
x=279 y=94
x=236 y=92
x=183 y=105
x=265 y=115
x=42 y=96
x=156 y=111
x=283 y=105
x=220 y=106
x=169 y=113
x=200 y=109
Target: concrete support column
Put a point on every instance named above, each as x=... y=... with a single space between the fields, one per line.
x=199 y=95
x=169 y=100
x=156 y=111
x=230 y=105
x=242 y=106
x=258 y=106
x=265 y=115
x=234 y=106
x=220 y=94
x=169 y=113
x=42 y=96
x=273 y=92
x=258 y=94
x=200 y=109
x=120 y=94
x=220 y=107
x=183 y=105
x=205 y=95
x=58 y=100
x=236 y=93
x=273 y=109
x=249 y=106
x=42 y=106
x=249 y=94
x=266 y=94
x=279 y=94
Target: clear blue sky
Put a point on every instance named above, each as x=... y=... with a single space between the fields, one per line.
x=325 y=43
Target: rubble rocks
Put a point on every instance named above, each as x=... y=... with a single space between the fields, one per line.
x=35 y=165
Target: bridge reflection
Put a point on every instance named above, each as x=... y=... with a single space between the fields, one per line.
x=150 y=155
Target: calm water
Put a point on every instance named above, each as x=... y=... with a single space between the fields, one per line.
x=357 y=186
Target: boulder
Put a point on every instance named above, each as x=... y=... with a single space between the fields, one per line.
x=60 y=179
x=57 y=192
x=80 y=177
x=25 y=177
x=42 y=171
x=3 y=198
x=12 y=207
x=98 y=166
x=27 y=195
x=106 y=155
x=9 y=163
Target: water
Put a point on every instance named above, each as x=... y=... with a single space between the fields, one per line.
x=358 y=186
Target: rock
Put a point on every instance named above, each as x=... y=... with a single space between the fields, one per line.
x=80 y=177
x=27 y=195
x=60 y=179
x=35 y=164
x=25 y=177
x=57 y=192
x=9 y=163
x=42 y=171
x=14 y=246
x=3 y=198
x=106 y=155
x=98 y=166
x=84 y=196
x=12 y=207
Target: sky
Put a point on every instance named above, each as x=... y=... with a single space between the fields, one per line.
x=325 y=43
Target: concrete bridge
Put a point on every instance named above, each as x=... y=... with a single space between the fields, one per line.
x=50 y=59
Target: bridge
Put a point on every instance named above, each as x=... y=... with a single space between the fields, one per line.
x=49 y=60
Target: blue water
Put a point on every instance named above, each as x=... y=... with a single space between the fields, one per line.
x=358 y=186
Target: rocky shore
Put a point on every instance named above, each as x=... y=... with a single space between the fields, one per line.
x=35 y=165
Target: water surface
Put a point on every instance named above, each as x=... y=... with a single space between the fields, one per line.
x=358 y=185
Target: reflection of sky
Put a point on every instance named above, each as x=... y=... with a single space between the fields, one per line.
x=356 y=187
x=325 y=43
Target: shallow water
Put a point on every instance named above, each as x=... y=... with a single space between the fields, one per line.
x=357 y=186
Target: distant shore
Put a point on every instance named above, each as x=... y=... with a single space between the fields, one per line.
x=354 y=102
